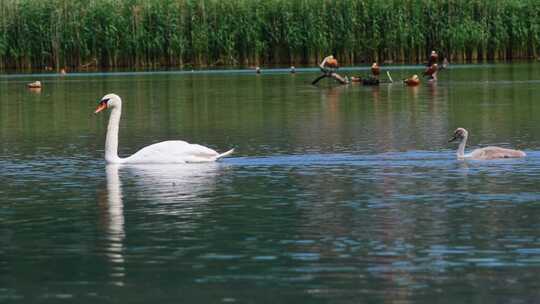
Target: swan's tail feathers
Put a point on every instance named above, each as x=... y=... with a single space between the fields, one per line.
x=225 y=154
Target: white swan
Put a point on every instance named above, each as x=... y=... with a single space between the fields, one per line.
x=482 y=153
x=167 y=152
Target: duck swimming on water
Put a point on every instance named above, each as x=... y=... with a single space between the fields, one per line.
x=375 y=70
x=433 y=58
x=431 y=71
x=486 y=153
x=412 y=81
x=34 y=85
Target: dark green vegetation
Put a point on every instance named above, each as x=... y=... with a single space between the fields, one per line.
x=150 y=33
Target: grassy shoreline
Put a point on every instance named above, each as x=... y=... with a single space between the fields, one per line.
x=81 y=34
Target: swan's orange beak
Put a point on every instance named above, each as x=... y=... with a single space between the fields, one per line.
x=102 y=106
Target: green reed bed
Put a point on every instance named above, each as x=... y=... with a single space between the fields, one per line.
x=151 y=33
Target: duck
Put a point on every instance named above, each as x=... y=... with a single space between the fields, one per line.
x=166 y=152
x=486 y=153
x=375 y=70
x=34 y=85
x=330 y=62
x=431 y=70
x=433 y=57
x=412 y=81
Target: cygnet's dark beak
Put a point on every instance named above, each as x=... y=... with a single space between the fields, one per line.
x=453 y=138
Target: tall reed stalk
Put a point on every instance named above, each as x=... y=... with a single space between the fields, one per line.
x=153 y=33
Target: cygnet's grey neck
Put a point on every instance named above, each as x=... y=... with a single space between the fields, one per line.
x=461 y=149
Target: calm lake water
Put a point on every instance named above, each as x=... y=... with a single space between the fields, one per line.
x=344 y=194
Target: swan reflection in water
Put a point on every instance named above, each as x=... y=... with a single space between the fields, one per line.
x=113 y=220
x=177 y=190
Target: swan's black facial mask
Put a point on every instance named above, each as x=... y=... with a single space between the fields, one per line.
x=102 y=105
x=457 y=135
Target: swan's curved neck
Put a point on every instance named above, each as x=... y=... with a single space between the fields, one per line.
x=111 y=142
x=461 y=149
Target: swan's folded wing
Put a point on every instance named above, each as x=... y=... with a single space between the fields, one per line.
x=507 y=153
x=496 y=153
x=173 y=151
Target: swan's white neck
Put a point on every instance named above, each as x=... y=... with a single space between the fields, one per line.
x=111 y=142
x=461 y=149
